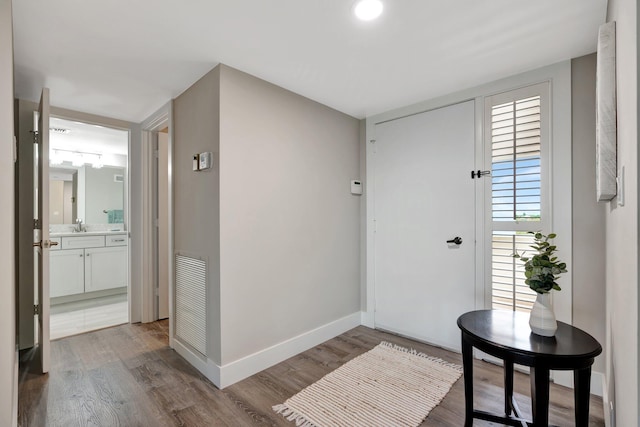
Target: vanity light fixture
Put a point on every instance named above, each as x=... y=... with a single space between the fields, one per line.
x=77 y=158
x=368 y=10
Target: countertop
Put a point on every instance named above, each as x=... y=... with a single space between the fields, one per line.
x=87 y=233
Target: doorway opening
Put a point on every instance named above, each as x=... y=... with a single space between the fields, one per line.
x=157 y=231
x=88 y=218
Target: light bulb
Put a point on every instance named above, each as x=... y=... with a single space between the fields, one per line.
x=367 y=10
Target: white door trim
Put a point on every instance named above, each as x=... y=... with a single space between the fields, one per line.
x=158 y=120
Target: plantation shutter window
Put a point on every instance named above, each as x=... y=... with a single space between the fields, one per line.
x=516 y=140
x=515 y=160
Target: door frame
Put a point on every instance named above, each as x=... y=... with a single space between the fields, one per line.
x=560 y=77
x=132 y=286
x=24 y=227
x=157 y=121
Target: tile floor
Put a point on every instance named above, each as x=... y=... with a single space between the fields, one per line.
x=83 y=316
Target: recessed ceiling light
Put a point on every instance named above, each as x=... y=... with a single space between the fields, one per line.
x=367 y=10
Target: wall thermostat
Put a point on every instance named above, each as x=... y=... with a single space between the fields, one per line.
x=202 y=161
x=356 y=187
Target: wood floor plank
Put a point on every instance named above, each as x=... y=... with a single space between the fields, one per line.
x=128 y=376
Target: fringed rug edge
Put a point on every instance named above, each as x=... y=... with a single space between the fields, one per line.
x=291 y=415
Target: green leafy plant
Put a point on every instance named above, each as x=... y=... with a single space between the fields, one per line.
x=544 y=268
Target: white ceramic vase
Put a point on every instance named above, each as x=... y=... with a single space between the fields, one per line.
x=542 y=320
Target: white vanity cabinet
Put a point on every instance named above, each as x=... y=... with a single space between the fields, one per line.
x=66 y=272
x=105 y=268
x=88 y=263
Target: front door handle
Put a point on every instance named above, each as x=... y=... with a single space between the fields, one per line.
x=456 y=240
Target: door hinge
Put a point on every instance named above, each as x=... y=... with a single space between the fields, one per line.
x=156 y=154
x=36 y=309
x=479 y=173
x=37 y=225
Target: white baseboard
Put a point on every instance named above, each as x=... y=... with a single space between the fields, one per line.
x=231 y=373
x=607 y=405
x=205 y=365
x=256 y=362
x=367 y=319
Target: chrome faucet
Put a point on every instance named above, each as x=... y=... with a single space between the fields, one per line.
x=78 y=227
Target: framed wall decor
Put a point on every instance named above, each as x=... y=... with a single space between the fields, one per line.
x=606 y=131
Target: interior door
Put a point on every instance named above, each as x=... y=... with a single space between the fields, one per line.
x=424 y=196
x=42 y=242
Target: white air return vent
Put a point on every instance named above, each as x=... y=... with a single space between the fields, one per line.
x=191 y=306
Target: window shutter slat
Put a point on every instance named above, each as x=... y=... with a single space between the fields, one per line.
x=508 y=288
x=514 y=133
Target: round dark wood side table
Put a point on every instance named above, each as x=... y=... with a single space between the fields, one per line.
x=507 y=336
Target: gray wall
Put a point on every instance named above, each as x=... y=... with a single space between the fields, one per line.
x=588 y=215
x=196 y=128
x=622 y=228
x=8 y=374
x=289 y=227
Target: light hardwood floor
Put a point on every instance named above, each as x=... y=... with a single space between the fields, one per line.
x=128 y=376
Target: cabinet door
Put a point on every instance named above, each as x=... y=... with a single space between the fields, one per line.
x=105 y=268
x=66 y=272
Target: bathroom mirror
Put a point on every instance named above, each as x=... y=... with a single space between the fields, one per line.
x=96 y=195
x=87 y=173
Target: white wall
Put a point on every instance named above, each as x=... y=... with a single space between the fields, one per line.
x=589 y=237
x=289 y=227
x=622 y=229
x=8 y=361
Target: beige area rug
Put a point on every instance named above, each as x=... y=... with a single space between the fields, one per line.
x=387 y=386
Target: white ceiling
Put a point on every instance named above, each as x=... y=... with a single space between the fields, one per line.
x=87 y=138
x=124 y=59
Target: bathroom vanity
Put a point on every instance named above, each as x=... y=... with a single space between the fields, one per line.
x=87 y=262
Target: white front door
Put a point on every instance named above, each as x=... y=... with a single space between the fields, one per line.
x=424 y=196
x=42 y=233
